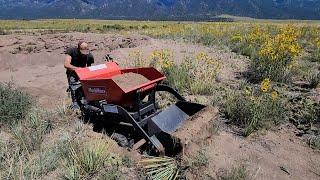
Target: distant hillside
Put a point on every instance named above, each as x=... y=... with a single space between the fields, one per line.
x=159 y=9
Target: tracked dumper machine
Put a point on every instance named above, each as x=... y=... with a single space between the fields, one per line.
x=126 y=99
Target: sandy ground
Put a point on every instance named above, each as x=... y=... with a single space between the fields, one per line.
x=35 y=63
x=267 y=156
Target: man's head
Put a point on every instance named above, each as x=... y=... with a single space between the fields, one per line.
x=83 y=48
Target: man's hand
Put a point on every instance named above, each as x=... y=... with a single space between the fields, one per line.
x=67 y=63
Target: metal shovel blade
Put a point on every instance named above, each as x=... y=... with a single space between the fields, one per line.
x=173 y=117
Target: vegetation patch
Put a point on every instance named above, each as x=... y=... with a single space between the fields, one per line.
x=83 y=161
x=315 y=142
x=254 y=109
x=159 y=168
x=14 y=104
x=237 y=173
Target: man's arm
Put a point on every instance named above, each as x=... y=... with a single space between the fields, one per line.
x=67 y=63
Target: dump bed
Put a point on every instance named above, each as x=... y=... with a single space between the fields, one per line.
x=117 y=86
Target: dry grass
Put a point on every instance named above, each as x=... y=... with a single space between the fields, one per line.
x=237 y=173
x=160 y=168
x=34 y=148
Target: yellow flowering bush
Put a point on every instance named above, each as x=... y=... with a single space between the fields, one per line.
x=255 y=108
x=276 y=55
x=136 y=59
x=282 y=47
x=236 y=38
x=204 y=71
x=257 y=37
x=194 y=75
x=265 y=85
x=161 y=58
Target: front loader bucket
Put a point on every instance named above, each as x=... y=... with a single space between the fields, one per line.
x=183 y=124
x=173 y=117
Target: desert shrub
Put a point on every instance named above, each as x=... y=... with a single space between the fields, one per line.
x=315 y=142
x=112 y=27
x=248 y=44
x=17 y=163
x=276 y=56
x=272 y=52
x=237 y=173
x=30 y=133
x=84 y=160
x=313 y=79
x=160 y=167
x=193 y=76
x=254 y=109
x=199 y=160
x=303 y=110
x=314 y=49
x=314 y=55
x=14 y=104
x=136 y=59
x=2 y=32
x=177 y=77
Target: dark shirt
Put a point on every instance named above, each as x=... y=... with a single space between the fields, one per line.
x=78 y=59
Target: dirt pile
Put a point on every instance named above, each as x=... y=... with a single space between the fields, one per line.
x=196 y=130
x=129 y=80
x=24 y=44
x=116 y=42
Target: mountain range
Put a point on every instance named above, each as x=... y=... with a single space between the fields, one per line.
x=159 y=9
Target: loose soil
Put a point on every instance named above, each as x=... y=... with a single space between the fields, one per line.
x=35 y=63
x=129 y=80
x=197 y=129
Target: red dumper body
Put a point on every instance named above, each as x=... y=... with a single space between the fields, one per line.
x=98 y=85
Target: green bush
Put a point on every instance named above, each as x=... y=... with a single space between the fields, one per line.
x=272 y=54
x=82 y=160
x=303 y=111
x=314 y=79
x=193 y=76
x=30 y=134
x=314 y=55
x=315 y=142
x=14 y=104
x=178 y=77
x=252 y=111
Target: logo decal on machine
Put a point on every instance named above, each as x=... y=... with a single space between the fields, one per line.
x=97 y=90
x=98 y=67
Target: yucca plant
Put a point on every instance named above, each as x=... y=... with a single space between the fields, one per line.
x=160 y=168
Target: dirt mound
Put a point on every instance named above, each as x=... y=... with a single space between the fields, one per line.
x=24 y=44
x=196 y=130
x=116 y=42
x=129 y=80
